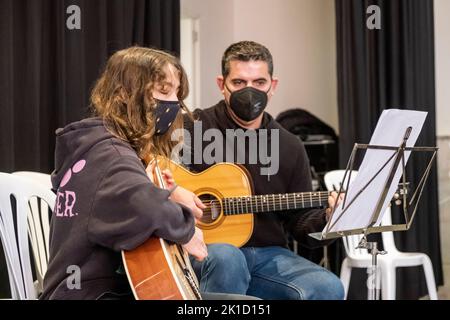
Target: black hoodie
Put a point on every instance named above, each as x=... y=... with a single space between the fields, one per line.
x=105 y=203
x=294 y=175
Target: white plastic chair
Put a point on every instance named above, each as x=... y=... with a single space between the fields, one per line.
x=40 y=177
x=39 y=225
x=16 y=229
x=387 y=264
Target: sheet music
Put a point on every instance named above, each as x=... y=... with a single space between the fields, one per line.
x=389 y=131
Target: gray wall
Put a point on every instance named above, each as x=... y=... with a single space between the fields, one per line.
x=299 y=33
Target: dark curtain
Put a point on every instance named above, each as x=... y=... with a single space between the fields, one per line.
x=47 y=70
x=391 y=68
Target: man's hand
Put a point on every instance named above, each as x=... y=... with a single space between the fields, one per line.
x=332 y=202
x=196 y=246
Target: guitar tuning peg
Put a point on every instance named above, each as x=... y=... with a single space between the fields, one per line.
x=398 y=202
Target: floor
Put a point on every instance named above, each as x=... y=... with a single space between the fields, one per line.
x=444 y=206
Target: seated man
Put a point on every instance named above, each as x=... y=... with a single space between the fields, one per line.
x=264 y=267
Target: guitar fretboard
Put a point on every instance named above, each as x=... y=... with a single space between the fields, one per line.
x=275 y=202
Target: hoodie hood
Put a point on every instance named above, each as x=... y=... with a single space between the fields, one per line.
x=73 y=141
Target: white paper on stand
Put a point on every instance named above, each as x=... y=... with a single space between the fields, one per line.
x=389 y=131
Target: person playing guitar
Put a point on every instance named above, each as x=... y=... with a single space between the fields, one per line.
x=106 y=201
x=263 y=266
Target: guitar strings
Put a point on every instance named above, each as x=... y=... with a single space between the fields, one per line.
x=273 y=198
x=261 y=203
x=266 y=202
x=237 y=207
x=264 y=205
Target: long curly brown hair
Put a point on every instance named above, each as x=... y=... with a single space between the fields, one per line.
x=122 y=97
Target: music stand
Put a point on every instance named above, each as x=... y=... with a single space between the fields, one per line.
x=399 y=159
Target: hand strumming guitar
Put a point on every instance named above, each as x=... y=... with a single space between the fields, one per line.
x=179 y=194
x=188 y=199
x=332 y=202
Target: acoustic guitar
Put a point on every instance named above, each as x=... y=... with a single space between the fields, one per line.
x=160 y=270
x=226 y=190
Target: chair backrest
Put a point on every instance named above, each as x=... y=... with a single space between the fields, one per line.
x=40 y=177
x=388 y=236
x=16 y=228
x=39 y=223
x=333 y=181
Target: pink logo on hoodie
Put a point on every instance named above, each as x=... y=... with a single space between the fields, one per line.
x=65 y=201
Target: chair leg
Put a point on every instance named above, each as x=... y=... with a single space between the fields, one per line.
x=388 y=282
x=346 y=272
x=429 y=277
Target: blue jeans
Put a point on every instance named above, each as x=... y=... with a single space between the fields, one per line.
x=266 y=273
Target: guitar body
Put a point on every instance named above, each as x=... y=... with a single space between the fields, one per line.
x=156 y=271
x=159 y=270
x=220 y=181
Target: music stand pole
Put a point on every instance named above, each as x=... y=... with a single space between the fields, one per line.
x=373 y=291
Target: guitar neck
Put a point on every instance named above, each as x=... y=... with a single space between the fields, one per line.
x=275 y=202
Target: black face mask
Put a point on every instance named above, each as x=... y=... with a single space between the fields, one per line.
x=165 y=114
x=248 y=103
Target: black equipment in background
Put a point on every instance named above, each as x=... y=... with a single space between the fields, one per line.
x=322 y=146
x=320 y=141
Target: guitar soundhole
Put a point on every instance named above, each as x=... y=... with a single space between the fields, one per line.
x=213 y=208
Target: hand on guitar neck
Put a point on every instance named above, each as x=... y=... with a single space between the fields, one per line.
x=333 y=201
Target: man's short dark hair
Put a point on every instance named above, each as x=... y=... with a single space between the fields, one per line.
x=246 y=51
